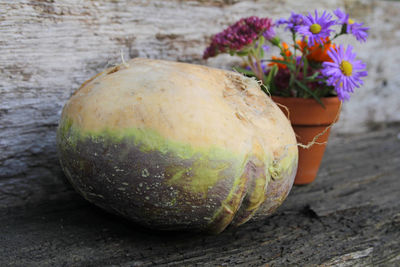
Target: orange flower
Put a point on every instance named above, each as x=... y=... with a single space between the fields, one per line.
x=317 y=52
x=287 y=53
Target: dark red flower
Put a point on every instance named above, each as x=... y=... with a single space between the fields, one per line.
x=237 y=36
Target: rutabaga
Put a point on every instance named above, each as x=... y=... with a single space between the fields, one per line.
x=177 y=146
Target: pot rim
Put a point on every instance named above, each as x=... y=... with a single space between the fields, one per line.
x=327 y=100
x=308 y=112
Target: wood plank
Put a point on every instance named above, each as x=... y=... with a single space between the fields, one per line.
x=49 y=48
x=349 y=216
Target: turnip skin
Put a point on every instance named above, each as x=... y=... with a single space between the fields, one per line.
x=188 y=177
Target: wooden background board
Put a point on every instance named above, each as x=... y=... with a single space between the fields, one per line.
x=48 y=48
x=350 y=216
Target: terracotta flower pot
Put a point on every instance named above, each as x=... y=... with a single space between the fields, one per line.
x=309 y=119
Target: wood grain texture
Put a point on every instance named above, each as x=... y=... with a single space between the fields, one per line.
x=48 y=48
x=350 y=216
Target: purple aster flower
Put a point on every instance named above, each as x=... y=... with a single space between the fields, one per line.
x=342 y=17
x=299 y=61
x=264 y=47
x=345 y=72
x=352 y=27
x=264 y=66
x=269 y=33
x=358 y=31
x=293 y=21
x=316 y=29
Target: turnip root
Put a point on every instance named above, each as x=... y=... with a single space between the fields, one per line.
x=177 y=146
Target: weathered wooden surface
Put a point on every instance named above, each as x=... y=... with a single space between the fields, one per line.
x=350 y=216
x=48 y=48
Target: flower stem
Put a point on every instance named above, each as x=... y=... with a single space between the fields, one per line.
x=294 y=42
x=260 y=71
x=255 y=66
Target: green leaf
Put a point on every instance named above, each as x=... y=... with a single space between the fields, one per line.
x=271 y=87
x=305 y=88
x=242 y=53
x=312 y=77
x=275 y=41
x=261 y=52
x=291 y=80
x=290 y=65
x=253 y=52
x=261 y=41
x=306 y=51
x=274 y=70
x=272 y=73
x=305 y=65
x=244 y=71
x=265 y=89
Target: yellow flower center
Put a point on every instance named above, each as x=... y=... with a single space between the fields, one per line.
x=346 y=67
x=315 y=28
x=350 y=21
